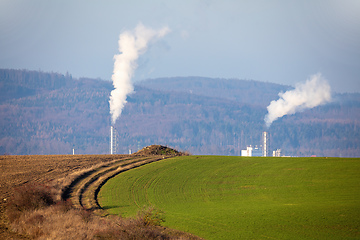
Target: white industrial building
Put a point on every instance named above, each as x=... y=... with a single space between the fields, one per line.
x=262 y=150
x=252 y=152
x=247 y=152
x=277 y=153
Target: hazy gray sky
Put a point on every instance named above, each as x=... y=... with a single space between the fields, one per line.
x=270 y=40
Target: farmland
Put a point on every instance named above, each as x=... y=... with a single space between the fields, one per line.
x=217 y=197
x=44 y=169
x=31 y=185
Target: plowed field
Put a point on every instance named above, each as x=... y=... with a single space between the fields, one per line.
x=18 y=170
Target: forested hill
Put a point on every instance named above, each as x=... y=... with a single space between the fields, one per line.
x=52 y=113
x=19 y=84
x=244 y=91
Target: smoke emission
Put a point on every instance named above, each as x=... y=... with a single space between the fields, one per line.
x=131 y=45
x=314 y=92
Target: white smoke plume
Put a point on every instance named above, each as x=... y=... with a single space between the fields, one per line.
x=314 y=92
x=131 y=45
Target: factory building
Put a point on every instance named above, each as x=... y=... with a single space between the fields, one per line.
x=252 y=152
x=262 y=150
x=277 y=153
x=247 y=152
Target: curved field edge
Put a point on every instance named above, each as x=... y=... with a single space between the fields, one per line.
x=55 y=172
x=217 y=197
x=83 y=189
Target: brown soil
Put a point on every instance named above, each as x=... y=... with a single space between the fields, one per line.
x=18 y=170
x=76 y=177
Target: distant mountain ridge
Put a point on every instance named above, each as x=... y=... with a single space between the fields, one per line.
x=21 y=83
x=51 y=113
x=244 y=91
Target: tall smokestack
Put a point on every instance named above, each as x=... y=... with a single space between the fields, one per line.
x=112 y=140
x=266 y=144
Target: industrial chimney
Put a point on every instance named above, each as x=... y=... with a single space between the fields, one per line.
x=112 y=140
x=266 y=144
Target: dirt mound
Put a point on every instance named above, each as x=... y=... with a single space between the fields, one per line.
x=158 y=150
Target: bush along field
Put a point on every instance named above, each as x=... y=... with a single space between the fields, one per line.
x=33 y=213
x=217 y=197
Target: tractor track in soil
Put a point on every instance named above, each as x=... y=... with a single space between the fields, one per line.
x=76 y=178
x=83 y=190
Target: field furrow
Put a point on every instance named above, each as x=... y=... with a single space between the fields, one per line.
x=82 y=191
x=76 y=178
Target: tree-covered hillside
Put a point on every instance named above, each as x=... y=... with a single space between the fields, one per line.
x=51 y=113
x=244 y=91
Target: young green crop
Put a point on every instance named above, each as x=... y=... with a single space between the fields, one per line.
x=217 y=197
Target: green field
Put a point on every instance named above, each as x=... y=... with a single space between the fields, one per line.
x=217 y=197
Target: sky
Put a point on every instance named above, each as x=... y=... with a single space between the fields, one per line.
x=279 y=41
